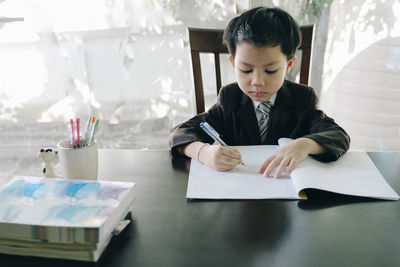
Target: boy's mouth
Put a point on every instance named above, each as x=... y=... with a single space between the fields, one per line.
x=258 y=93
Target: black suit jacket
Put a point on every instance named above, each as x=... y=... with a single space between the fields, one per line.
x=293 y=115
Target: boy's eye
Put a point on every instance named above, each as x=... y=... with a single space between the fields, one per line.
x=270 y=71
x=245 y=71
x=266 y=71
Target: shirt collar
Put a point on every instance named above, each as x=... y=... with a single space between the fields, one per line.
x=271 y=99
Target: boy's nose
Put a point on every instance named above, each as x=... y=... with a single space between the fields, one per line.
x=258 y=79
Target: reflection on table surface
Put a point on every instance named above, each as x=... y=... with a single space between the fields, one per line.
x=169 y=230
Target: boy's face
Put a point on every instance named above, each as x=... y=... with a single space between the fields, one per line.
x=260 y=71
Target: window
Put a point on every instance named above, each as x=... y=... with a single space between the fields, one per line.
x=128 y=63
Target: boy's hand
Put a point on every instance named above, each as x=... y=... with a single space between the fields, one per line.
x=289 y=156
x=217 y=157
x=220 y=158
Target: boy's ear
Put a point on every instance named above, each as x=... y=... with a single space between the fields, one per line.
x=290 y=64
x=232 y=60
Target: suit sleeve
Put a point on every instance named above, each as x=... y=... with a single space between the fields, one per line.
x=324 y=131
x=190 y=130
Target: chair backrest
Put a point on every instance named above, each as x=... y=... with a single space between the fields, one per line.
x=210 y=41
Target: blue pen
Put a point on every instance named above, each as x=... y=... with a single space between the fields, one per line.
x=213 y=134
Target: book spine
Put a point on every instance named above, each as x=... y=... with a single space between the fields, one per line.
x=49 y=233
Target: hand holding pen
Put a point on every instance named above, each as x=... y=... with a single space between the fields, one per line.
x=214 y=135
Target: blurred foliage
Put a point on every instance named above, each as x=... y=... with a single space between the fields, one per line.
x=305 y=11
x=175 y=5
x=312 y=9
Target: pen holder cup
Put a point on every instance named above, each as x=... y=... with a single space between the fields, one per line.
x=78 y=163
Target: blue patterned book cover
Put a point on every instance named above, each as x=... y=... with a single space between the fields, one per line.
x=61 y=210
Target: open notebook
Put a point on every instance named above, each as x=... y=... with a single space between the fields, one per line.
x=353 y=174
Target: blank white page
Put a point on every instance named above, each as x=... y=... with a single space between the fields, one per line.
x=243 y=182
x=352 y=174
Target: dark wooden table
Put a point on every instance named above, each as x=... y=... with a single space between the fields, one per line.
x=169 y=230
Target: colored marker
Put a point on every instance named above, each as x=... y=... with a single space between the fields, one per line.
x=91 y=130
x=85 y=140
x=78 y=137
x=94 y=132
x=71 y=121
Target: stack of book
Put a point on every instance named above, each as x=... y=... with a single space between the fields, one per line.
x=61 y=218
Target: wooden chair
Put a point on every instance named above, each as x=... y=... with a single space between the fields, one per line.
x=210 y=41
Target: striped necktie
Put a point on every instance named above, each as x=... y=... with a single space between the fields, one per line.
x=264 y=108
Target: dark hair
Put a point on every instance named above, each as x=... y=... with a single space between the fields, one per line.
x=263 y=26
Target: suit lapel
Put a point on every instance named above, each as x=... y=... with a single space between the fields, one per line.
x=248 y=119
x=280 y=114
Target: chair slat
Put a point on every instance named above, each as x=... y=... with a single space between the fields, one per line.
x=217 y=71
x=198 y=82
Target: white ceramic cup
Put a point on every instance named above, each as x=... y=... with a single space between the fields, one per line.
x=78 y=163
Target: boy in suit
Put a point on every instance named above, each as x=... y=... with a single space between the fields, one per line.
x=262 y=106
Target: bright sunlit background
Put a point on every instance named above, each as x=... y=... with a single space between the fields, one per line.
x=128 y=63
